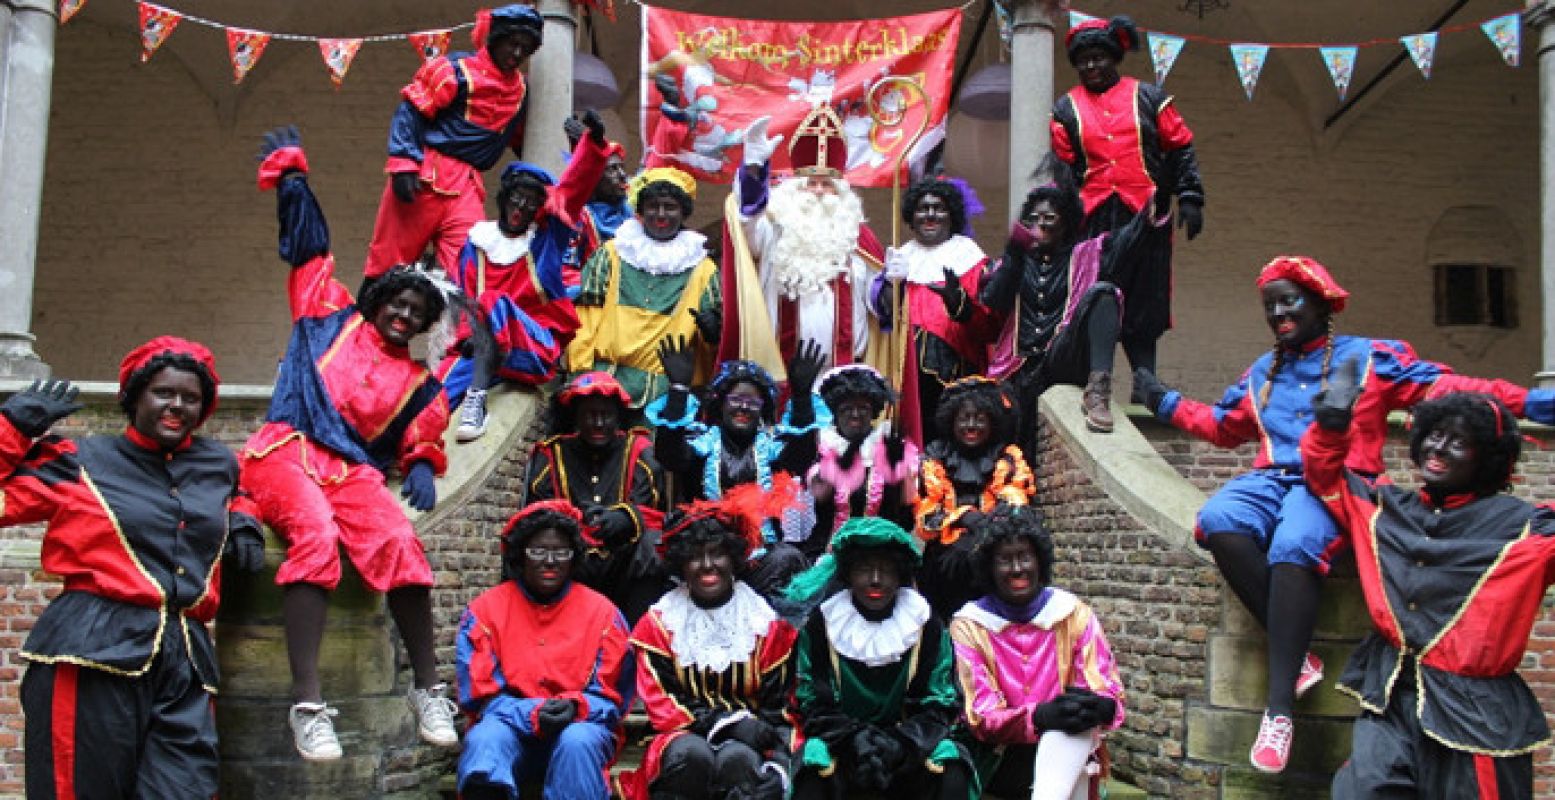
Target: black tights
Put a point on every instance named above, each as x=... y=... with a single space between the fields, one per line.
x=1101 y=332
x=304 y=608
x=1285 y=594
x=954 y=783
x=1140 y=352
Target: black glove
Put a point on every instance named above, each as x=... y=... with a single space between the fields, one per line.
x=877 y=755
x=245 y=544
x=1332 y=406
x=678 y=359
x=710 y=324
x=1190 y=216
x=277 y=139
x=32 y=411
x=953 y=294
x=1150 y=389
x=751 y=732
x=405 y=185
x=615 y=526
x=419 y=487
x=1066 y=712
x=595 y=125
x=804 y=367
x=554 y=715
x=574 y=129
x=1098 y=709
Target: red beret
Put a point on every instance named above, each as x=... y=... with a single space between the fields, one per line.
x=1308 y=274
x=140 y=356
x=597 y=383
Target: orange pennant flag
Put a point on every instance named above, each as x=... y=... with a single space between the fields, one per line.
x=68 y=9
x=429 y=44
x=156 y=24
x=245 y=47
x=338 y=54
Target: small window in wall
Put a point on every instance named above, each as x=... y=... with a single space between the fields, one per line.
x=1475 y=294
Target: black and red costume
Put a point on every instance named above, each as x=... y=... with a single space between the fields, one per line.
x=1125 y=144
x=457 y=116
x=122 y=672
x=1453 y=589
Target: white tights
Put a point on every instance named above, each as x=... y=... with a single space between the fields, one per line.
x=1059 y=770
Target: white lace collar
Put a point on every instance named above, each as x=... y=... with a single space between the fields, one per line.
x=714 y=638
x=654 y=257
x=926 y=265
x=875 y=643
x=500 y=248
x=1060 y=604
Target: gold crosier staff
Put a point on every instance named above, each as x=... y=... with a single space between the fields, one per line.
x=890 y=363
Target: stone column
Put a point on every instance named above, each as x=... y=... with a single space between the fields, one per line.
x=26 y=79
x=550 y=86
x=1540 y=16
x=1031 y=95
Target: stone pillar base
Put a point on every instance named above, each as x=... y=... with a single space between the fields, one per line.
x=17 y=359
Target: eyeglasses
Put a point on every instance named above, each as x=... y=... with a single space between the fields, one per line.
x=547 y=554
x=744 y=402
x=1044 y=218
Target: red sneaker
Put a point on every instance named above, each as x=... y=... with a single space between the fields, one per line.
x=1311 y=675
x=1272 y=749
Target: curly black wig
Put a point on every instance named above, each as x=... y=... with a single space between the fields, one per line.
x=514 y=181
x=847 y=382
x=657 y=189
x=1008 y=523
x=379 y=292
x=1117 y=36
x=1065 y=203
x=710 y=529
x=1491 y=426
x=141 y=378
x=733 y=373
x=944 y=190
x=521 y=530
x=986 y=395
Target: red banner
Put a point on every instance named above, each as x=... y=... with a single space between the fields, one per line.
x=722 y=73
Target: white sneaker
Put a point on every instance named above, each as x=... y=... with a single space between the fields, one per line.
x=434 y=715
x=313 y=731
x=472 y=416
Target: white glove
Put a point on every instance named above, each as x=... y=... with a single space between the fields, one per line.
x=759 y=148
x=896 y=265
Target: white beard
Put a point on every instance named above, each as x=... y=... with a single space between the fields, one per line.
x=818 y=234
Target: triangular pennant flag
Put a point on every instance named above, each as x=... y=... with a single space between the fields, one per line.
x=1164 y=48
x=1507 y=34
x=1341 y=66
x=338 y=54
x=68 y=9
x=1075 y=18
x=156 y=24
x=429 y=44
x=1422 y=48
x=245 y=47
x=1248 y=59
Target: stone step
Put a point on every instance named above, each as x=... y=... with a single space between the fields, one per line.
x=1224 y=736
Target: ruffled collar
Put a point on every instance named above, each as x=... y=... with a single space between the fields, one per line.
x=1058 y=606
x=714 y=638
x=654 y=257
x=875 y=643
x=926 y=265
x=500 y=248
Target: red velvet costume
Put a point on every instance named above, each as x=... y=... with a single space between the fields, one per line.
x=459 y=112
x=347 y=405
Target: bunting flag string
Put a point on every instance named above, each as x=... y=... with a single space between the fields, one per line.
x=1248 y=58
